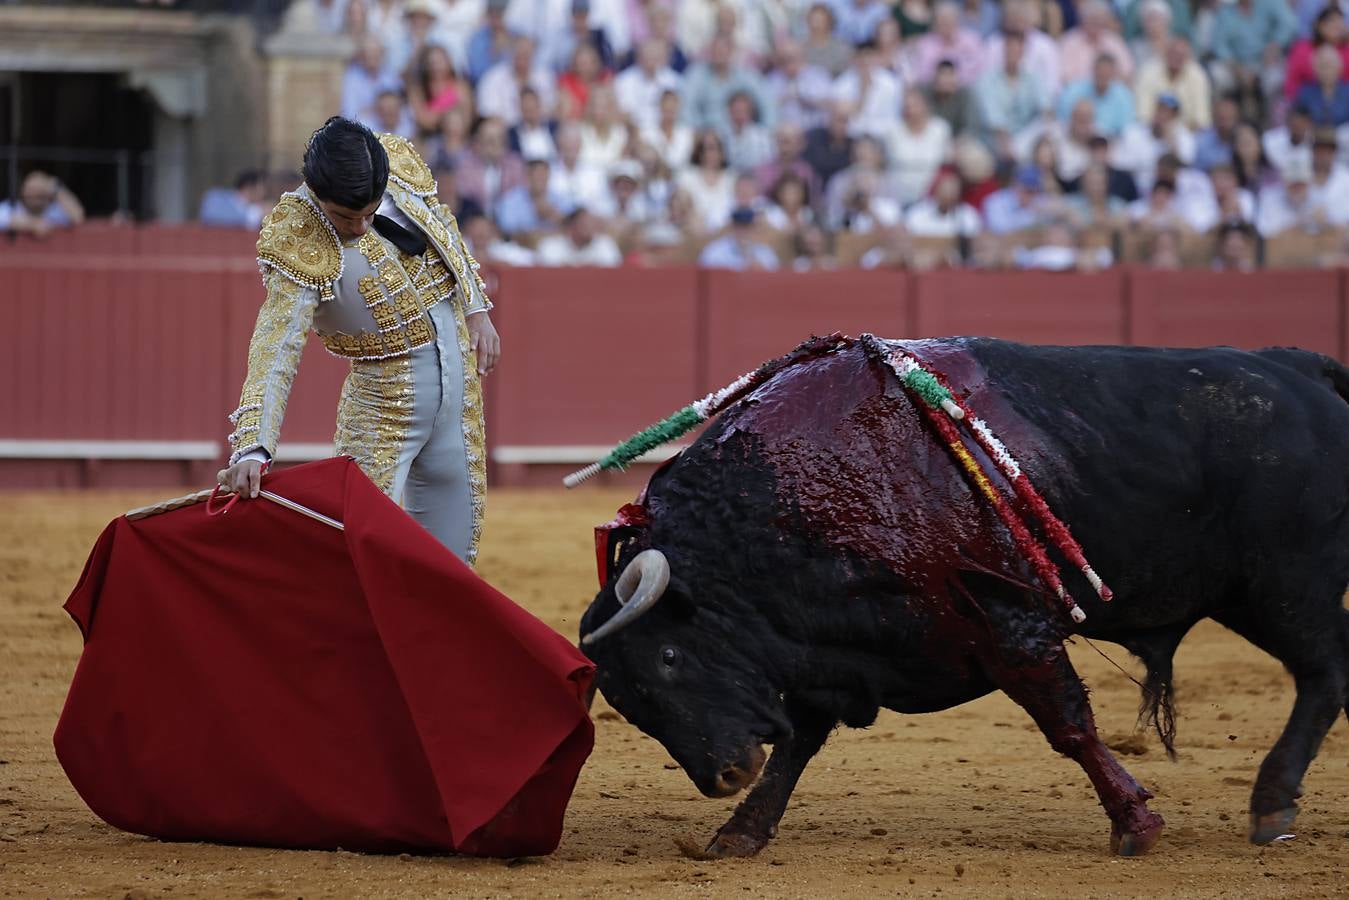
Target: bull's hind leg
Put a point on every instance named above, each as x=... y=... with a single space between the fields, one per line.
x=1051 y=692
x=1318 y=659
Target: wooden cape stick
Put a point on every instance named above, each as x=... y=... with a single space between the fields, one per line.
x=196 y=497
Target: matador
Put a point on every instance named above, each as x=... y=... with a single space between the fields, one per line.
x=365 y=255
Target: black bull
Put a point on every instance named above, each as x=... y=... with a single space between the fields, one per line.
x=826 y=558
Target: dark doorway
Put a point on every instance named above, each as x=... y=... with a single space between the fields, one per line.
x=87 y=129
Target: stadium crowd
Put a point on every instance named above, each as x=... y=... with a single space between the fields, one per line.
x=1057 y=134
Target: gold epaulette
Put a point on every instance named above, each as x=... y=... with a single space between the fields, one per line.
x=299 y=241
x=407 y=167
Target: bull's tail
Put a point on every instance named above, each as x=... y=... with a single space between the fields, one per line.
x=1157 y=710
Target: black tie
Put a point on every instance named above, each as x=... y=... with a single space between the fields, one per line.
x=409 y=242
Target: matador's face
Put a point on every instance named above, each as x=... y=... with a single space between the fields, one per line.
x=349 y=223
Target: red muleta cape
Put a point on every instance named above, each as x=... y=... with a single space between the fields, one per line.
x=262 y=678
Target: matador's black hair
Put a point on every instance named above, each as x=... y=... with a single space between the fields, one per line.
x=346 y=164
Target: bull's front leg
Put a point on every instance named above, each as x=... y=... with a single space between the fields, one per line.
x=755 y=821
x=1051 y=692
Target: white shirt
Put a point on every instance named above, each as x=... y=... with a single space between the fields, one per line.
x=1137 y=151
x=558 y=250
x=602 y=152
x=676 y=150
x=583 y=186
x=499 y=91
x=877 y=111
x=1279 y=148
x=713 y=203
x=1333 y=196
x=924 y=219
x=639 y=94
x=915 y=157
x=1277 y=214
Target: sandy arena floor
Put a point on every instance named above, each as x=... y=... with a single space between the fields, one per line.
x=969 y=802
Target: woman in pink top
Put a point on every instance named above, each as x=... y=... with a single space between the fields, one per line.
x=1329 y=29
x=436 y=88
x=947 y=40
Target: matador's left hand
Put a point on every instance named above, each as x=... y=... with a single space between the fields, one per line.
x=484 y=341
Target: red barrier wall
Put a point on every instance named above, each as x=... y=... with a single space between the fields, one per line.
x=153 y=348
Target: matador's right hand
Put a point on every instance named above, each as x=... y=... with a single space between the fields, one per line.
x=243 y=478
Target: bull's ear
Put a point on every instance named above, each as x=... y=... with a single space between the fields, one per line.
x=679 y=599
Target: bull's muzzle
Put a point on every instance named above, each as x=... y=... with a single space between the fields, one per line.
x=734 y=779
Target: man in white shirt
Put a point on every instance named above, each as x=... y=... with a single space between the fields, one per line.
x=738 y=250
x=639 y=88
x=1142 y=144
x=1289 y=206
x=581 y=243
x=1330 y=179
x=871 y=92
x=499 y=90
x=581 y=184
x=1292 y=140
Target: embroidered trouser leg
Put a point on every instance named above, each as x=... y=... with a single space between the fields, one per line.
x=402 y=420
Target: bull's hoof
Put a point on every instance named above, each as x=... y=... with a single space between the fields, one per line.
x=735 y=844
x=1272 y=826
x=1140 y=840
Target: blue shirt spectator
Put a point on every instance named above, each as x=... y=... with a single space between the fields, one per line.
x=1332 y=110
x=1017 y=207
x=1245 y=28
x=490 y=44
x=239 y=207
x=366 y=78
x=531 y=206
x=1114 y=108
x=855 y=21
x=738 y=250
x=709 y=86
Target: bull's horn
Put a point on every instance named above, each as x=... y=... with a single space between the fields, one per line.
x=640 y=586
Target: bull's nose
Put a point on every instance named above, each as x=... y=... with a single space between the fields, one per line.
x=734 y=779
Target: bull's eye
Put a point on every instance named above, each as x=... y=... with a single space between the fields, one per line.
x=669 y=656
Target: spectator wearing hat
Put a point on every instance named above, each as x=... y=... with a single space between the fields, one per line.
x=948 y=41
x=491 y=43
x=822 y=46
x=1095 y=36
x=640 y=87
x=1111 y=101
x=1292 y=138
x=581 y=243
x=1326 y=101
x=1178 y=75
x=708 y=87
x=499 y=90
x=627 y=204
x=419 y=30
x=532 y=207
x=237 y=207
x=800 y=92
x=1330 y=179
x=1143 y=143
x=1018 y=206
x=951 y=101
x=738 y=249
x=366 y=77
x=534 y=136
x=1289 y=205
x=1010 y=98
